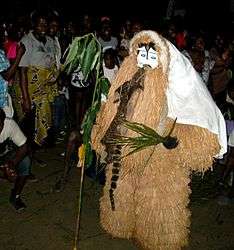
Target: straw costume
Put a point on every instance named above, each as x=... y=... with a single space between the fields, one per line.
x=146 y=194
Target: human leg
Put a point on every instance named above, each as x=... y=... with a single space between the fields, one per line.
x=58 y=113
x=23 y=170
x=229 y=166
x=74 y=141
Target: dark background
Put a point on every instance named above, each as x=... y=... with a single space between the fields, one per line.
x=209 y=13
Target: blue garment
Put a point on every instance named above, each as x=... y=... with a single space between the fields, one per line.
x=4 y=65
x=24 y=166
x=59 y=112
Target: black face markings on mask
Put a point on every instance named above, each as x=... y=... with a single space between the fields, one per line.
x=147 y=46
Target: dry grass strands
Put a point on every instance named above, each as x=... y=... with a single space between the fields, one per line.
x=152 y=194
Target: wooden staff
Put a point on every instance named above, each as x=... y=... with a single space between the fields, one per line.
x=80 y=164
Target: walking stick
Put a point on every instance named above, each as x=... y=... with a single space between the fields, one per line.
x=81 y=154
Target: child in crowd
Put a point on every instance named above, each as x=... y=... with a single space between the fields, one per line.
x=110 y=64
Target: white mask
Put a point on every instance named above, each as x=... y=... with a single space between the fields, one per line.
x=145 y=57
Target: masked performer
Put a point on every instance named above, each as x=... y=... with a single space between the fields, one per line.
x=146 y=194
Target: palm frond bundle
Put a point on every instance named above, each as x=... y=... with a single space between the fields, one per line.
x=147 y=137
x=85 y=52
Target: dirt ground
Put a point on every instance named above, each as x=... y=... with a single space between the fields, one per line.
x=49 y=221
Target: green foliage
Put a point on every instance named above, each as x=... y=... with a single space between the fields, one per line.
x=148 y=137
x=86 y=52
x=104 y=85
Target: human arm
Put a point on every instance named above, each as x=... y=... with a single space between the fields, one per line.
x=26 y=101
x=9 y=73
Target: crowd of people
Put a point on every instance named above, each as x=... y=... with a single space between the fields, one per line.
x=40 y=102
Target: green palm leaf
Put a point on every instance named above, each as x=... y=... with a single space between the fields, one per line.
x=86 y=52
x=141 y=129
x=148 y=137
x=88 y=60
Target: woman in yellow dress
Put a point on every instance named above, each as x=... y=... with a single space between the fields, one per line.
x=38 y=75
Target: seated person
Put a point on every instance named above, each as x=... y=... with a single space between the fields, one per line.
x=14 y=161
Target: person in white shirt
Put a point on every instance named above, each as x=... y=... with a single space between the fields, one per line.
x=106 y=39
x=16 y=164
x=110 y=64
x=38 y=80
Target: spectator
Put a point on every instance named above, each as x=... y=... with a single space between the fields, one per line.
x=106 y=39
x=17 y=159
x=59 y=105
x=228 y=168
x=110 y=64
x=220 y=74
x=38 y=78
